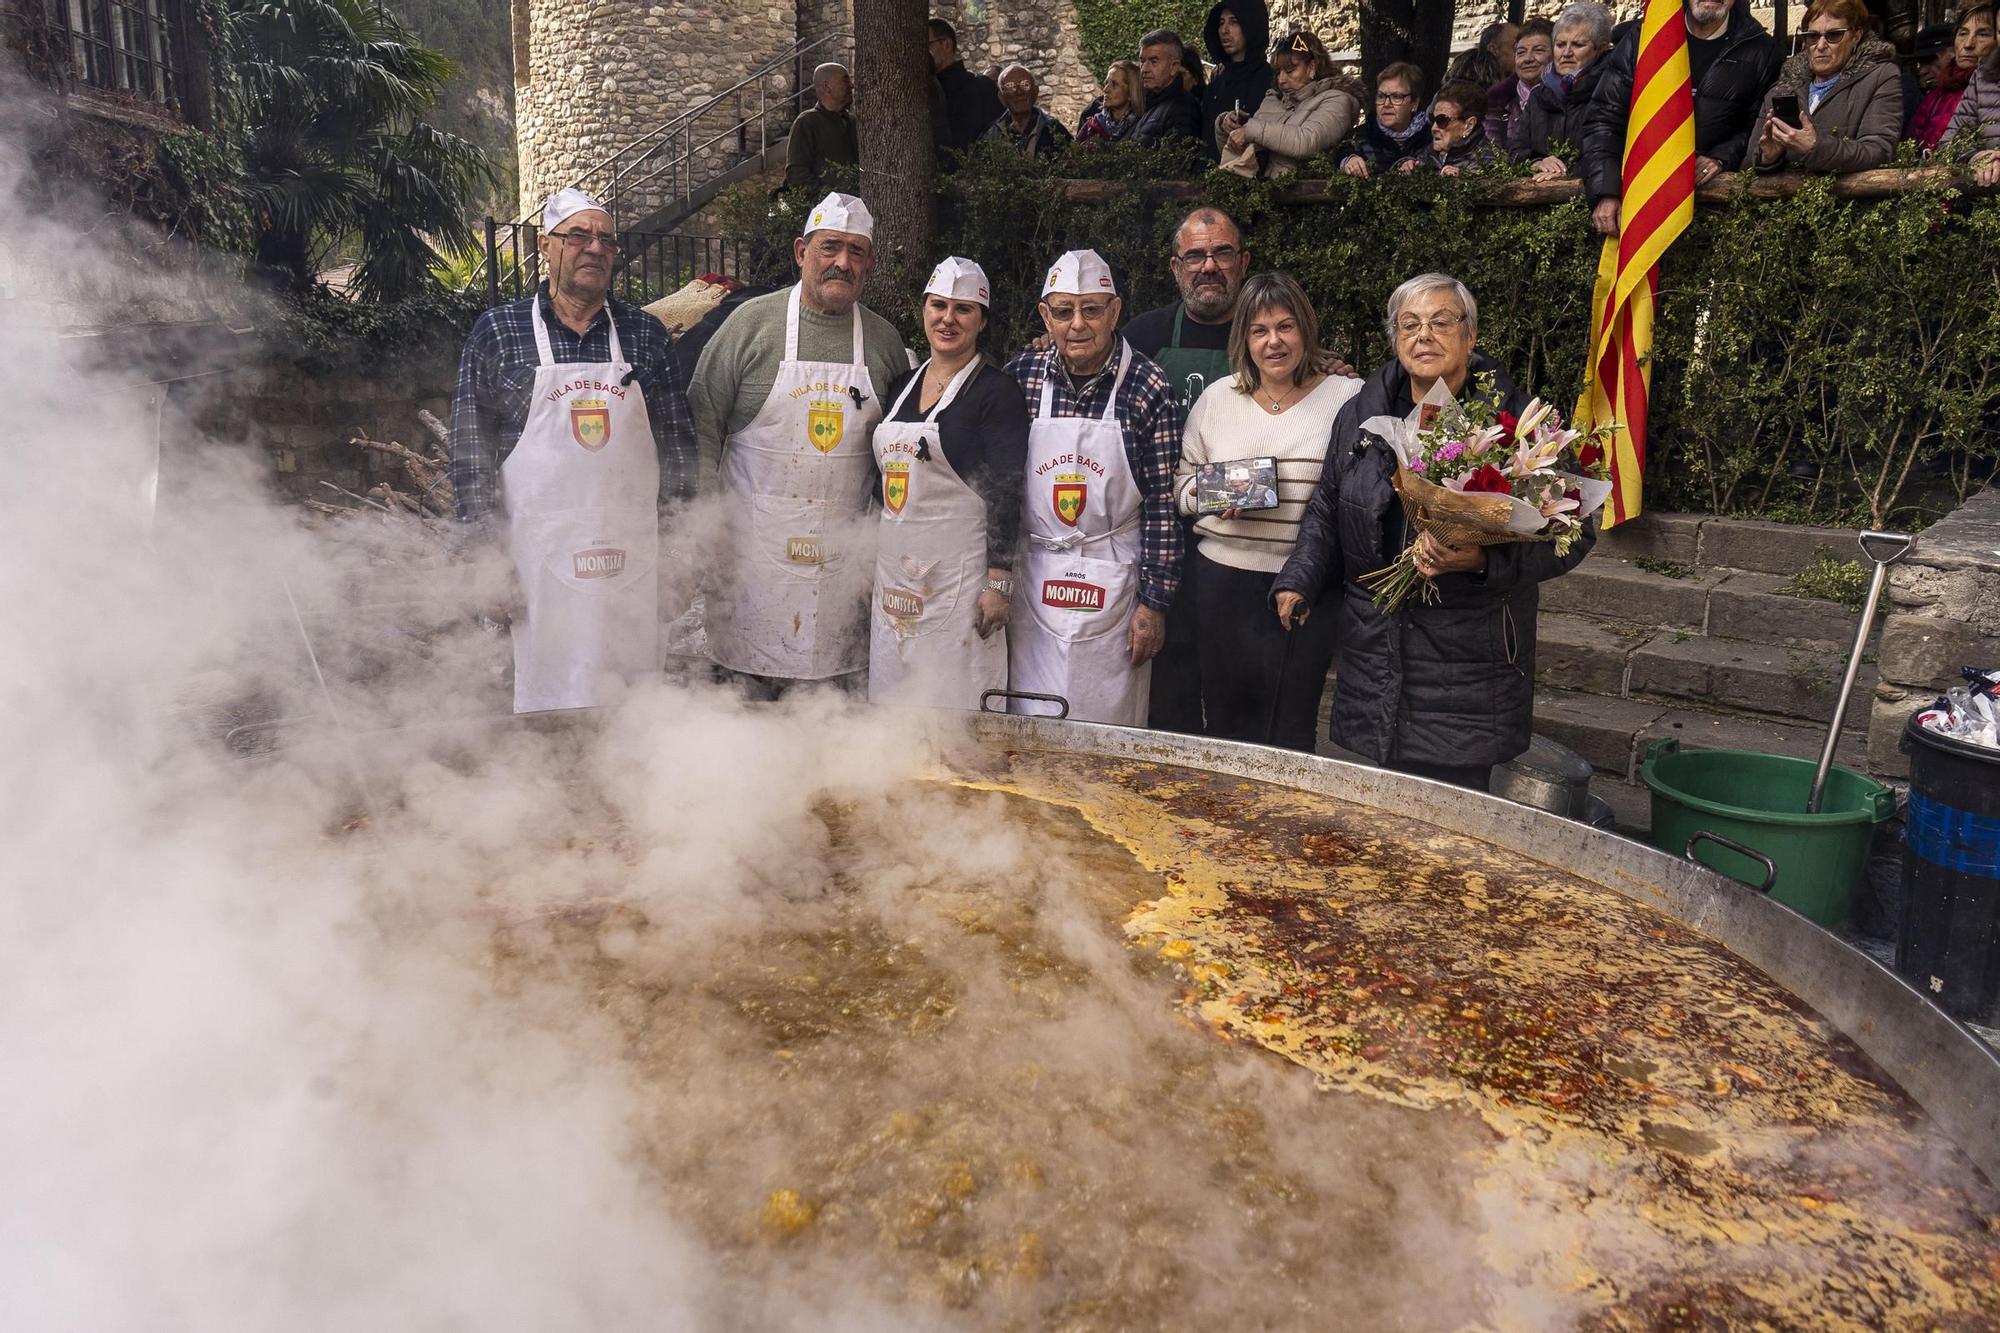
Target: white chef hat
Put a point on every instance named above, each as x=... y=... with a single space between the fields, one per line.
x=840 y=212
x=567 y=203
x=1080 y=273
x=958 y=279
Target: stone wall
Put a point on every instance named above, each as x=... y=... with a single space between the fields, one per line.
x=302 y=421
x=598 y=76
x=1040 y=34
x=1944 y=613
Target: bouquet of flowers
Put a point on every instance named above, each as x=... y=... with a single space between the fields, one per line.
x=1471 y=476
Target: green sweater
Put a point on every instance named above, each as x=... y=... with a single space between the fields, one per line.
x=740 y=364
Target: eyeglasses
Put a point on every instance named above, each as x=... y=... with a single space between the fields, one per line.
x=1437 y=325
x=582 y=237
x=1395 y=97
x=1222 y=256
x=1446 y=122
x=1089 y=311
x=1827 y=36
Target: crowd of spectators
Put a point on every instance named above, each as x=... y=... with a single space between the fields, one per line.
x=1551 y=93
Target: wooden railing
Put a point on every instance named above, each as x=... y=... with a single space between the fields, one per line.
x=1877 y=184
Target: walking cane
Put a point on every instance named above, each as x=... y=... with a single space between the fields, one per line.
x=1278 y=687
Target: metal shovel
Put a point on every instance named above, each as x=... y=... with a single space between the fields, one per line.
x=1885 y=549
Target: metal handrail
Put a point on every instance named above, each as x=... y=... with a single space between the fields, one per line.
x=685 y=120
x=680 y=167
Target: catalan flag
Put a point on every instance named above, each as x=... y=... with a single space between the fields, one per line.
x=1658 y=204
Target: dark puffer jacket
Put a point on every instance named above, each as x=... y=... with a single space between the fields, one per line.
x=1554 y=119
x=1725 y=101
x=1236 y=83
x=1451 y=684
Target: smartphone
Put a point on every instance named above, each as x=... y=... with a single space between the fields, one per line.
x=1785 y=107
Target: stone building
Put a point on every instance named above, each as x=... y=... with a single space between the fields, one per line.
x=592 y=80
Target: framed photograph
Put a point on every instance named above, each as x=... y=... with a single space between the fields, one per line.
x=1236 y=483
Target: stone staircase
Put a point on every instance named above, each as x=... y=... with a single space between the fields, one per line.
x=1683 y=625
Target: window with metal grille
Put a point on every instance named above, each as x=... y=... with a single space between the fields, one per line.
x=121 y=46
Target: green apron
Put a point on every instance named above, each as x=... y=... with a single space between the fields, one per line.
x=1190 y=369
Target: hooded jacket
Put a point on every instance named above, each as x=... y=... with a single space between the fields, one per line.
x=1243 y=82
x=1554 y=117
x=1857 y=123
x=1725 y=101
x=1294 y=128
x=1979 y=108
x=1450 y=684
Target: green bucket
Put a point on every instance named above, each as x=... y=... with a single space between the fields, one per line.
x=1743 y=814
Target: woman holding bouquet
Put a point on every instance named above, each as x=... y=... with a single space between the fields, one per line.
x=1257 y=683
x=1442 y=689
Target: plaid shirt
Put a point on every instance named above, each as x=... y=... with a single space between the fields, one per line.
x=496 y=374
x=1152 y=425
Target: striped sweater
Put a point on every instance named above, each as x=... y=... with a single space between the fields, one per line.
x=1226 y=424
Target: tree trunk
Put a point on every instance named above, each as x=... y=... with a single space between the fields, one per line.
x=892 y=79
x=1418 y=31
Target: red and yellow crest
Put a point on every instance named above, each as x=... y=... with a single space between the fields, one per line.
x=826 y=423
x=1072 y=492
x=590 y=423
x=895 y=486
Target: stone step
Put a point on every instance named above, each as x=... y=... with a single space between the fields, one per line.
x=1613 y=733
x=1759 y=608
x=1797 y=682
x=1723 y=603
x=1705 y=541
x=1575 y=652
x=1613 y=589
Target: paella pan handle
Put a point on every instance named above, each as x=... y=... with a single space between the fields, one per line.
x=1730 y=844
x=1061 y=703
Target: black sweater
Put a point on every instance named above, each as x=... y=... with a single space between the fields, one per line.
x=984 y=435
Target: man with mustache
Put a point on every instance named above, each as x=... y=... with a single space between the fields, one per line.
x=785 y=399
x=568 y=435
x=1103 y=542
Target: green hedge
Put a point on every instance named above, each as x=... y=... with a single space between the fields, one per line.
x=1855 y=342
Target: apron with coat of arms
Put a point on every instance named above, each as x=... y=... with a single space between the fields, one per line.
x=581 y=492
x=790 y=596
x=1080 y=579
x=924 y=648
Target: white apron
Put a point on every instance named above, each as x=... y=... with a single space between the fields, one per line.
x=923 y=647
x=1080 y=578
x=581 y=491
x=790 y=598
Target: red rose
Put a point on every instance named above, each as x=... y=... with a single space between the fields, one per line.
x=1590 y=455
x=1488 y=478
x=1509 y=423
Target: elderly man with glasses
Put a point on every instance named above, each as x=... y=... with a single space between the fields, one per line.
x=568 y=436
x=1103 y=542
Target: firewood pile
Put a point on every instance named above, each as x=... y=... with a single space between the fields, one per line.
x=421 y=486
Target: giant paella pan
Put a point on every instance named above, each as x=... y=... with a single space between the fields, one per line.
x=1088 y=1028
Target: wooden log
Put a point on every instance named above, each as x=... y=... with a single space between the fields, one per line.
x=1877 y=184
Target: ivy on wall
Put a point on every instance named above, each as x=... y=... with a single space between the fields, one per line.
x=1110 y=29
x=1816 y=359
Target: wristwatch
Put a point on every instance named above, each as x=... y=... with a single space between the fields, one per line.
x=1005 y=587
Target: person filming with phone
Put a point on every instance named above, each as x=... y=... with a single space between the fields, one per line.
x=1837 y=105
